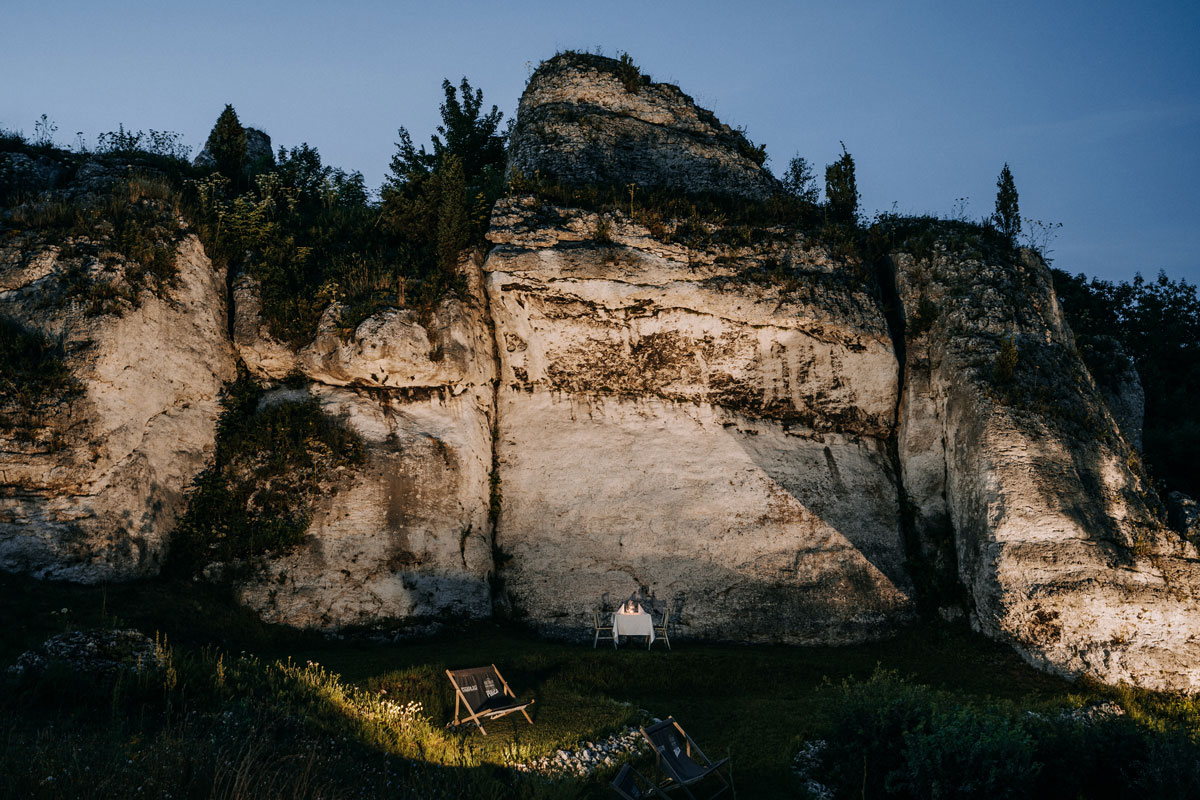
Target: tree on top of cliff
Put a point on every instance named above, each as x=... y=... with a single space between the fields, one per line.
x=800 y=181
x=465 y=132
x=841 y=190
x=440 y=202
x=227 y=144
x=1007 y=218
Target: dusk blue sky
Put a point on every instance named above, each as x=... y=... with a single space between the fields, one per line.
x=1095 y=105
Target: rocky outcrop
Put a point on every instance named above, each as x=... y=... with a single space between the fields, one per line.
x=1007 y=447
x=736 y=428
x=588 y=120
x=667 y=421
x=23 y=175
x=97 y=498
x=259 y=155
x=96 y=652
x=407 y=534
x=397 y=348
x=404 y=535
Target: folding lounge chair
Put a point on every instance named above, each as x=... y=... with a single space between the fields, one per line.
x=485 y=694
x=675 y=757
x=633 y=785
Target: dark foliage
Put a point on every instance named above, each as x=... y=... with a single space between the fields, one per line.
x=800 y=181
x=34 y=378
x=1007 y=217
x=438 y=202
x=894 y=738
x=466 y=132
x=841 y=190
x=227 y=145
x=308 y=234
x=269 y=465
x=1157 y=324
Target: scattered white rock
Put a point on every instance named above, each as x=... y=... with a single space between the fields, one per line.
x=97 y=652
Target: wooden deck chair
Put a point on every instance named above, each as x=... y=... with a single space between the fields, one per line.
x=602 y=621
x=633 y=785
x=680 y=760
x=485 y=694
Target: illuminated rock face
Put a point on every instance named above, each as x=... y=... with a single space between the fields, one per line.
x=1026 y=472
x=407 y=533
x=96 y=494
x=404 y=535
x=729 y=427
x=665 y=421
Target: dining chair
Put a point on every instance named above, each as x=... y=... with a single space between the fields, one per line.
x=602 y=622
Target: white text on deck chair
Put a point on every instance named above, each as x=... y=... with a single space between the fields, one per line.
x=484 y=694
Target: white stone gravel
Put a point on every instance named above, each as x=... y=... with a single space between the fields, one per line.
x=589 y=756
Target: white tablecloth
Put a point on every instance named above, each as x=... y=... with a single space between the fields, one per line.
x=633 y=625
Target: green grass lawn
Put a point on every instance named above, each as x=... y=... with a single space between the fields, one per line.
x=754 y=704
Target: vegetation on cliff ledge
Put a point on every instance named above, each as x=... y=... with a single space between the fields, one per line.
x=117 y=236
x=311 y=235
x=274 y=457
x=34 y=379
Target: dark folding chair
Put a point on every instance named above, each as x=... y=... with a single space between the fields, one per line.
x=680 y=760
x=633 y=785
x=485 y=694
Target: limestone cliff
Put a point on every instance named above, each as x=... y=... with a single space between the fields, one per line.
x=666 y=421
x=1007 y=447
x=96 y=496
x=789 y=443
x=408 y=533
x=586 y=120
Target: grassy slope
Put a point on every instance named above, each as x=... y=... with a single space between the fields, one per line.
x=751 y=703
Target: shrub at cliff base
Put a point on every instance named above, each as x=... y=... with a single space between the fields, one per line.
x=270 y=465
x=895 y=738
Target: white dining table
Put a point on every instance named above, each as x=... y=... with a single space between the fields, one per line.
x=639 y=624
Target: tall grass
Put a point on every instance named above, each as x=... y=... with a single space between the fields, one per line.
x=202 y=724
x=137 y=219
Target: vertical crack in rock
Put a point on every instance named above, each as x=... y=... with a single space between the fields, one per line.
x=932 y=565
x=495 y=506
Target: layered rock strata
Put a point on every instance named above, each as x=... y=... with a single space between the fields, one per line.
x=666 y=421
x=407 y=534
x=98 y=499
x=1007 y=446
x=588 y=120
